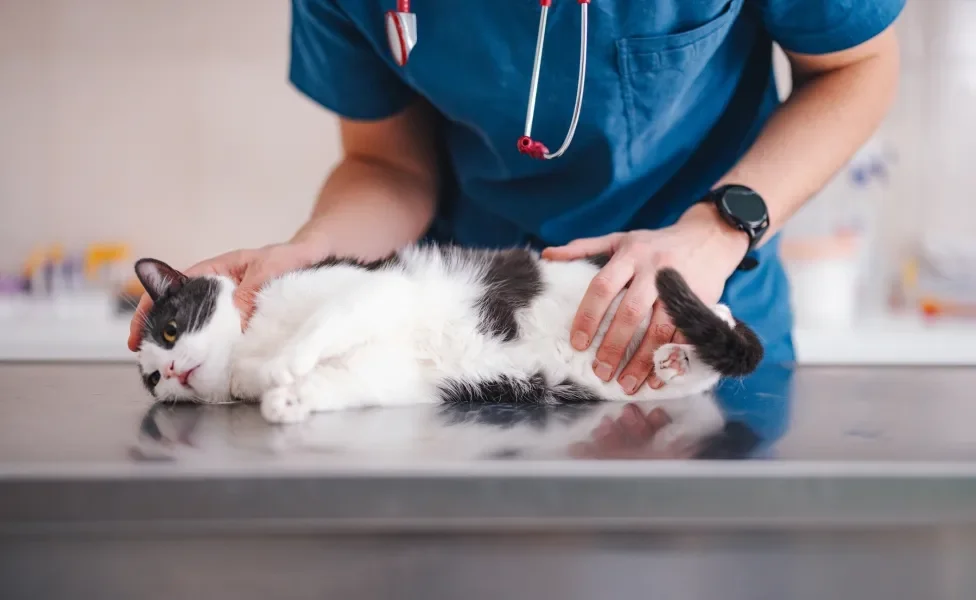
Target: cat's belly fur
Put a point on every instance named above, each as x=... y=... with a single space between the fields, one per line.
x=432 y=337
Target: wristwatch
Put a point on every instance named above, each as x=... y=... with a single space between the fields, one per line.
x=742 y=208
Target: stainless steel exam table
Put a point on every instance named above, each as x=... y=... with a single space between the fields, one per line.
x=823 y=483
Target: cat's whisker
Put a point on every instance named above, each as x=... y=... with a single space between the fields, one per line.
x=130 y=302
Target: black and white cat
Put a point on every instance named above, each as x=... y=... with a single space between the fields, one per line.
x=428 y=324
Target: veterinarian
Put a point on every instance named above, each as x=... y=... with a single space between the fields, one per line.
x=683 y=155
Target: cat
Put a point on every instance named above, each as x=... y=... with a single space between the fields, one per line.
x=427 y=324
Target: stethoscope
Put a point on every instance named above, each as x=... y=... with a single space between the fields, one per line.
x=401 y=31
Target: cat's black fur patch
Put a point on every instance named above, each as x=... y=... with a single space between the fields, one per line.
x=147 y=380
x=730 y=352
x=503 y=390
x=512 y=280
x=515 y=391
x=393 y=260
x=191 y=305
x=568 y=392
x=599 y=261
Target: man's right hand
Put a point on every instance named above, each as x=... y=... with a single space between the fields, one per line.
x=250 y=269
x=381 y=196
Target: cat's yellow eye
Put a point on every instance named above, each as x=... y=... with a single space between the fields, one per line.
x=170 y=332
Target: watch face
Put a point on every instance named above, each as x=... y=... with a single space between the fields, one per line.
x=745 y=205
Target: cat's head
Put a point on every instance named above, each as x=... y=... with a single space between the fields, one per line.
x=188 y=335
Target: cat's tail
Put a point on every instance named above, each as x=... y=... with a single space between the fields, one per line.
x=732 y=352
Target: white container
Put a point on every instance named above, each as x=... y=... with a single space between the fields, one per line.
x=826 y=246
x=824 y=292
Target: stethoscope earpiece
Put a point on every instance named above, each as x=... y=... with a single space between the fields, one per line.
x=401 y=32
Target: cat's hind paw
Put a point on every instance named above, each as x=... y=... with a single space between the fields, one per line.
x=283 y=405
x=671 y=361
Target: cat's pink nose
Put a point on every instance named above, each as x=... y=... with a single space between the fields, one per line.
x=171 y=372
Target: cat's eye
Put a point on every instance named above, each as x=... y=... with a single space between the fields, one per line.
x=154 y=378
x=170 y=332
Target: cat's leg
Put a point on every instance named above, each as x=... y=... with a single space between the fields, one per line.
x=324 y=388
x=330 y=332
x=367 y=377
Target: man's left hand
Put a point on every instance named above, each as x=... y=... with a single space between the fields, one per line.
x=700 y=246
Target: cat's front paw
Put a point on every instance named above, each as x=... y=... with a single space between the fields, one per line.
x=671 y=362
x=291 y=366
x=283 y=405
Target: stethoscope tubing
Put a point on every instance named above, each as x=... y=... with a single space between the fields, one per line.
x=540 y=41
x=402 y=34
x=526 y=142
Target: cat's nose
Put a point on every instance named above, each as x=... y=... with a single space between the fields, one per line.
x=169 y=371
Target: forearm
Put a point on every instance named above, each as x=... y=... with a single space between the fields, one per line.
x=817 y=130
x=369 y=209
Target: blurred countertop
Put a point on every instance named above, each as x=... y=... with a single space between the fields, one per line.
x=82 y=446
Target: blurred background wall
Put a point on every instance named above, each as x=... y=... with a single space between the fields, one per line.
x=171 y=126
x=145 y=121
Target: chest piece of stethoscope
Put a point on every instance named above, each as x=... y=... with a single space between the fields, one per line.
x=401 y=31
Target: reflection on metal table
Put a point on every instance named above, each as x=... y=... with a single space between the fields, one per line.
x=811 y=483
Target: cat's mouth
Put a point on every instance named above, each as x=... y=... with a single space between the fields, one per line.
x=184 y=377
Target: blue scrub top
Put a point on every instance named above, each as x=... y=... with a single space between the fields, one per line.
x=676 y=92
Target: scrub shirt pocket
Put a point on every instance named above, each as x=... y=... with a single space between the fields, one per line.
x=660 y=75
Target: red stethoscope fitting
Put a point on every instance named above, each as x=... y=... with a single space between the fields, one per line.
x=401 y=31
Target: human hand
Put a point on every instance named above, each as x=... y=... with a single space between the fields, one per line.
x=250 y=269
x=700 y=246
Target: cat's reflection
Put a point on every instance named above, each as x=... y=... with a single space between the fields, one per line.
x=437 y=432
x=744 y=418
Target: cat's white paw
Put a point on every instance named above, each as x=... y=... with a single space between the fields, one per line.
x=671 y=362
x=283 y=405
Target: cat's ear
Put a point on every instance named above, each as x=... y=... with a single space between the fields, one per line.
x=158 y=277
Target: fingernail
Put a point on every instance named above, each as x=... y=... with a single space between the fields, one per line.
x=603 y=371
x=580 y=340
x=655 y=383
x=629 y=383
